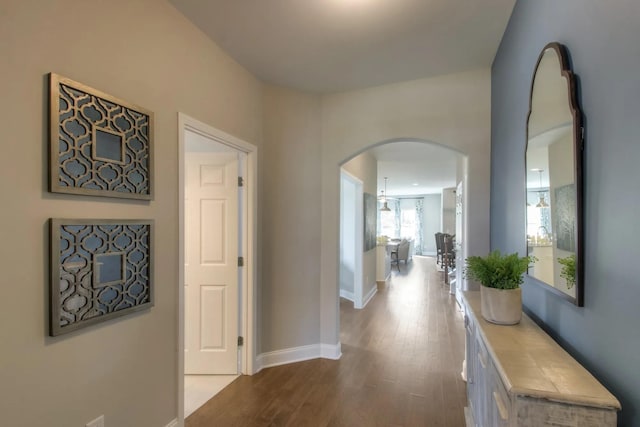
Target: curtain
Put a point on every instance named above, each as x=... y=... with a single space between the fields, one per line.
x=396 y=210
x=417 y=243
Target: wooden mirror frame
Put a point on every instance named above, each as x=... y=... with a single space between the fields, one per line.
x=578 y=150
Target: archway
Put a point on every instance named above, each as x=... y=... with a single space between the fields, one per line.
x=473 y=161
x=453 y=111
x=421 y=169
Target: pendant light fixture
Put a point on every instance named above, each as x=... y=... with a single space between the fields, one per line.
x=383 y=198
x=541 y=203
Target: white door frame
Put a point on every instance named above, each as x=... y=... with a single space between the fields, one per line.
x=358 y=237
x=247 y=327
x=460 y=241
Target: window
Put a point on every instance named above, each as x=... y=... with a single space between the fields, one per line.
x=538 y=219
x=388 y=224
x=408 y=223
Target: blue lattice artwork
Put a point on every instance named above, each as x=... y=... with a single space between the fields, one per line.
x=99 y=145
x=100 y=269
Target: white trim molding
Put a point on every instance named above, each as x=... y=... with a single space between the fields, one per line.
x=358 y=237
x=173 y=423
x=299 y=354
x=289 y=355
x=331 y=351
x=346 y=295
x=370 y=295
x=248 y=326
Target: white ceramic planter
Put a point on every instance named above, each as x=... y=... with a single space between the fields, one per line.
x=501 y=306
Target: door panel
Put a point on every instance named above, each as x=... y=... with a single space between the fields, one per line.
x=211 y=271
x=213 y=239
x=213 y=319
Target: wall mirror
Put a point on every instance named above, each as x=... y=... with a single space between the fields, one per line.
x=553 y=164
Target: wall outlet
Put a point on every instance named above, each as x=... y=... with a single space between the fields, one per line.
x=98 y=422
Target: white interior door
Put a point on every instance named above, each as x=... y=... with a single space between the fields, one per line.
x=211 y=263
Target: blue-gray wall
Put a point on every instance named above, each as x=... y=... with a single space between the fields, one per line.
x=603 y=39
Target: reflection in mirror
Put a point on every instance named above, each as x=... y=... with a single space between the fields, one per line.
x=554 y=177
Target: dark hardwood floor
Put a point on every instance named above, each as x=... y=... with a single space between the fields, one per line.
x=400 y=366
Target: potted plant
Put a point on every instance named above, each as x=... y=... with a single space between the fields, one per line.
x=568 y=271
x=500 y=276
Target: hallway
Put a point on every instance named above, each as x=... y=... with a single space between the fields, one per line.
x=400 y=366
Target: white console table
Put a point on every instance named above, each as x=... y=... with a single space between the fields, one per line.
x=519 y=376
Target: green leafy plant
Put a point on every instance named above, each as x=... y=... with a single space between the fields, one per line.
x=498 y=271
x=568 y=271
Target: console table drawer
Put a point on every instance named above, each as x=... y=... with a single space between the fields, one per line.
x=501 y=400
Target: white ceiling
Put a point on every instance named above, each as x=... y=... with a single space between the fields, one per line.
x=335 y=45
x=325 y=46
x=407 y=163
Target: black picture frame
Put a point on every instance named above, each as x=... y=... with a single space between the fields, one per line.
x=99 y=145
x=100 y=269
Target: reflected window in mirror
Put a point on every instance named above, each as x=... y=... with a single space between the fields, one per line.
x=553 y=164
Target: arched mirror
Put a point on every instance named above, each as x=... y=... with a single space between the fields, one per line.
x=553 y=163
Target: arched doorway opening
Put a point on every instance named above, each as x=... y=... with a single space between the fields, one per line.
x=421 y=174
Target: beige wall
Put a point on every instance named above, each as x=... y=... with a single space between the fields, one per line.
x=452 y=110
x=365 y=167
x=145 y=52
x=291 y=222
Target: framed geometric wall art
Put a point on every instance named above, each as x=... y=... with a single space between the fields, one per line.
x=99 y=145
x=565 y=215
x=370 y=218
x=100 y=269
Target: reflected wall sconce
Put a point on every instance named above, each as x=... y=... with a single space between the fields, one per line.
x=542 y=202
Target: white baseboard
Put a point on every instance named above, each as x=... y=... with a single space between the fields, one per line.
x=173 y=423
x=347 y=295
x=298 y=354
x=366 y=298
x=329 y=351
x=370 y=295
x=289 y=355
